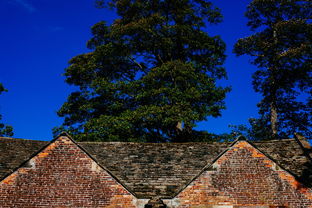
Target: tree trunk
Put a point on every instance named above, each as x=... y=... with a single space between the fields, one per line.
x=273 y=106
x=273 y=115
x=179 y=126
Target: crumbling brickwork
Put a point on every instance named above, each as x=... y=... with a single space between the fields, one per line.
x=63 y=175
x=243 y=177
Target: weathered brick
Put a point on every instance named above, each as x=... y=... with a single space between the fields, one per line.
x=244 y=177
x=62 y=175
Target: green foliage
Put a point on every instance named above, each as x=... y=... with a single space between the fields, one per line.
x=150 y=76
x=5 y=130
x=281 y=49
x=2 y=89
x=256 y=130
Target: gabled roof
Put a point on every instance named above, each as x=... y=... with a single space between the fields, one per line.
x=150 y=169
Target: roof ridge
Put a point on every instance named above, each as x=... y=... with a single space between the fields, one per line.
x=152 y=143
x=22 y=139
x=273 y=140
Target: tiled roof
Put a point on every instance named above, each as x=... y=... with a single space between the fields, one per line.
x=290 y=156
x=13 y=152
x=154 y=169
x=148 y=169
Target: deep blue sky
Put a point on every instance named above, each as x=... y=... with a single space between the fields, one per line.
x=38 y=38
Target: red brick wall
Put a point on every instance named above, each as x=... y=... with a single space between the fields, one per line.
x=63 y=175
x=243 y=177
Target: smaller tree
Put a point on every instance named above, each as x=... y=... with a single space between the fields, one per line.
x=5 y=130
x=281 y=48
x=258 y=129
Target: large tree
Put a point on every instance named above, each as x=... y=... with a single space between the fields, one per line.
x=281 y=49
x=5 y=130
x=150 y=75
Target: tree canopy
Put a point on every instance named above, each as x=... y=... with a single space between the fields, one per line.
x=281 y=48
x=149 y=76
x=5 y=130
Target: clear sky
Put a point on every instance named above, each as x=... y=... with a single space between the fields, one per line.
x=38 y=38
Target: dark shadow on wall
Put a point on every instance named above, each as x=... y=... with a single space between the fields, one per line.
x=306 y=175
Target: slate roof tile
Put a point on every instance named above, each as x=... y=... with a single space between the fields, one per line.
x=13 y=152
